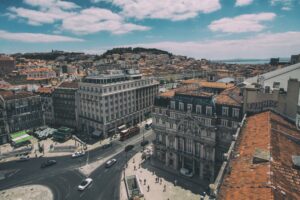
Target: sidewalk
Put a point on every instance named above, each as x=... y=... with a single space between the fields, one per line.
x=32 y=192
x=182 y=190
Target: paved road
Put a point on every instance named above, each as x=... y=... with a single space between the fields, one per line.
x=63 y=178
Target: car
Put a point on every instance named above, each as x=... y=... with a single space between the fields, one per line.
x=48 y=163
x=144 y=143
x=128 y=148
x=84 y=184
x=105 y=146
x=78 y=154
x=110 y=163
x=23 y=158
x=186 y=172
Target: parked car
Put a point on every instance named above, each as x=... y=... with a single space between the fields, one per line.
x=105 y=146
x=23 y=158
x=78 y=154
x=110 y=163
x=84 y=184
x=144 y=143
x=186 y=172
x=48 y=163
x=128 y=148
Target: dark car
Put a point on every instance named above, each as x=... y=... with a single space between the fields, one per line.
x=128 y=147
x=48 y=163
x=144 y=143
x=105 y=146
x=23 y=158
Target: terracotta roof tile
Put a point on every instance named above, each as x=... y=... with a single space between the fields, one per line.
x=208 y=84
x=276 y=179
x=230 y=96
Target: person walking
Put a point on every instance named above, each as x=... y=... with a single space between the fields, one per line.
x=165 y=188
x=148 y=188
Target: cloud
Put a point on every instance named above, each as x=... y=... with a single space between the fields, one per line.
x=243 y=2
x=84 y=21
x=93 y=20
x=285 y=4
x=166 y=9
x=260 y=46
x=36 y=37
x=242 y=23
x=46 y=4
x=35 y=17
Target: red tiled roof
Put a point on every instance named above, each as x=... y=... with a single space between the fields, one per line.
x=230 y=96
x=208 y=84
x=276 y=179
x=45 y=90
x=9 y=95
x=69 y=85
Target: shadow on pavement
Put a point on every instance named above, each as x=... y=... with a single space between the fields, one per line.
x=184 y=182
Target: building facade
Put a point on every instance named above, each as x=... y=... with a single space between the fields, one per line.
x=192 y=130
x=65 y=105
x=119 y=97
x=19 y=111
x=7 y=65
x=47 y=104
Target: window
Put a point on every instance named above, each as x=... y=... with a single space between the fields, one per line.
x=189 y=148
x=181 y=106
x=181 y=144
x=207 y=122
x=235 y=124
x=208 y=110
x=172 y=104
x=235 y=112
x=198 y=109
x=189 y=107
x=225 y=111
x=224 y=122
x=197 y=149
x=172 y=115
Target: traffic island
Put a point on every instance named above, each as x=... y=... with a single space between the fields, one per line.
x=32 y=192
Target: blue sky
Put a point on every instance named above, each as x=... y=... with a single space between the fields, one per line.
x=213 y=29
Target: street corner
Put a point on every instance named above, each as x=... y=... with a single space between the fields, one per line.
x=32 y=192
x=143 y=181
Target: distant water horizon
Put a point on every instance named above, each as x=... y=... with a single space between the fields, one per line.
x=248 y=61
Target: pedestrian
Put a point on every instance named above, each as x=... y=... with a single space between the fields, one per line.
x=134 y=168
x=160 y=181
x=133 y=160
x=139 y=165
x=175 y=182
x=148 y=188
x=144 y=181
x=165 y=187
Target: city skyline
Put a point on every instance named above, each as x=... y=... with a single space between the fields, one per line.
x=202 y=29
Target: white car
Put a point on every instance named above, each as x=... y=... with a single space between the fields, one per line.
x=85 y=183
x=78 y=154
x=186 y=172
x=110 y=163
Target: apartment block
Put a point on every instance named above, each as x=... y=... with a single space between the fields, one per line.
x=194 y=128
x=19 y=110
x=118 y=97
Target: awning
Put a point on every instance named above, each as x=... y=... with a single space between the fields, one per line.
x=20 y=137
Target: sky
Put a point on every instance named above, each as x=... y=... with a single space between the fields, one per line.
x=212 y=29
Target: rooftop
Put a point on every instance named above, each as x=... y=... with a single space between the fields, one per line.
x=72 y=85
x=207 y=84
x=275 y=178
x=10 y=95
x=45 y=90
x=230 y=96
x=280 y=75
